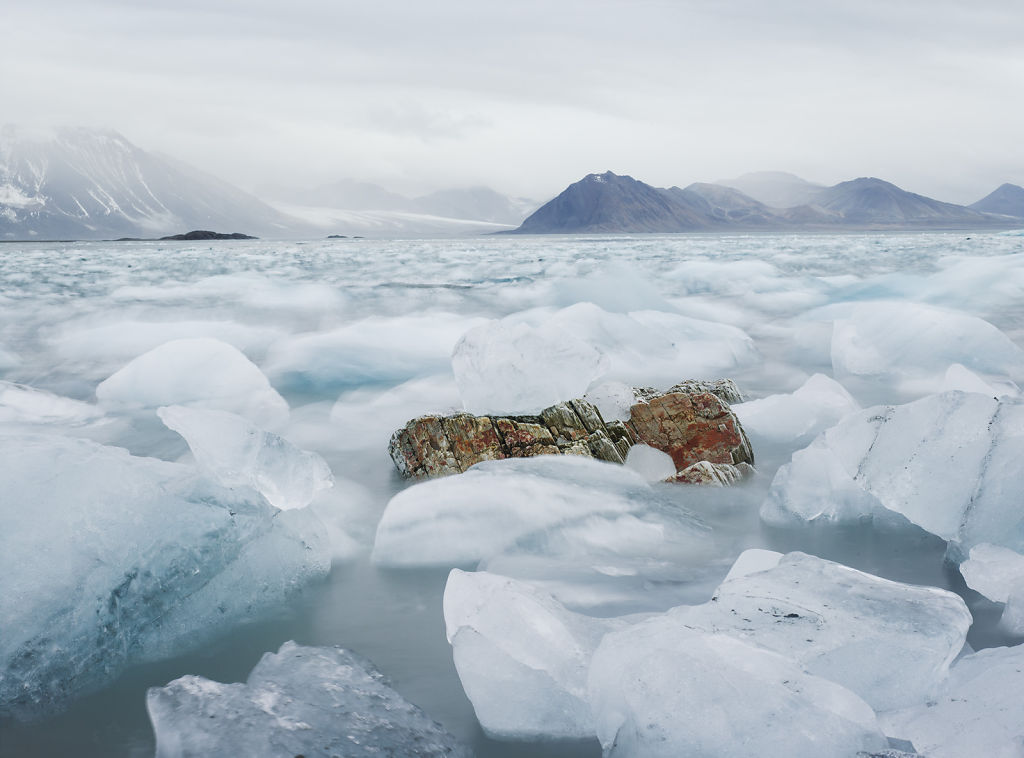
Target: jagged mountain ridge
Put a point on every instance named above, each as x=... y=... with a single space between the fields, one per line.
x=609 y=203
x=1006 y=200
x=77 y=183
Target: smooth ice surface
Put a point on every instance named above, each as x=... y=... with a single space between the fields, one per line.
x=911 y=339
x=658 y=690
x=20 y=404
x=107 y=558
x=891 y=643
x=998 y=574
x=948 y=463
x=978 y=712
x=237 y=453
x=816 y=405
x=310 y=701
x=546 y=505
x=752 y=561
x=521 y=656
x=201 y=373
x=650 y=463
x=534 y=359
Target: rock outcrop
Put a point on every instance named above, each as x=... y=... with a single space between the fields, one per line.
x=691 y=422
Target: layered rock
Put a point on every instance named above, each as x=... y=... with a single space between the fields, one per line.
x=691 y=422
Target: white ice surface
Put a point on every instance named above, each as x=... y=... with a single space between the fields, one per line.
x=201 y=373
x=312 y=701
x=21 y=404
x=998 y=574
x=237 y=453
x=651 y=464
x=815 y=406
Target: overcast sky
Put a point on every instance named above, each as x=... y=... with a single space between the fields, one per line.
x=529 y=96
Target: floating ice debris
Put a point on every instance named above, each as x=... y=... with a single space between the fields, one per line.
x=816 y=405
x=200 y=373
x=300 y=701
x=107 y=558
x=521 y=656
x=949 y=463
x=239 y=454
x=979 y=711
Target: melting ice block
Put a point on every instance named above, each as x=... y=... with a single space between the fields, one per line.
x=658 y=689
x=890 y=643
x=300 y=701
x=978 y=712
x=521 y=656
x=650 y=463
x=948 y=463
x=998 y=574
x=107 y=558
x=201 y=373
x=237 y=453
x=899 y=339
x=543 y=505
x=818 y=404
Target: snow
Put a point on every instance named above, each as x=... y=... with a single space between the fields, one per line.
x=979 y=710
x=108 y=559
x=521 y=656
x=236 y=453
x=200 y=372
x=946 y=463
x=314 y=701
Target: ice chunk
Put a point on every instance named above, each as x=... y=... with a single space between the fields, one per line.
x=28 y=405
x=899 y=339
x=376 y=349
x=818 y=404
x=301 y=701
x=521 y=656
x=239 y=454
x=650 y=463
x=107 y=558
x=534 y=359
x=613 y=400
x=948 y=463
x=548 y=504
x=752 y=561
x=201 y=373
x=890 y=643
x=978 y=712
x=998 y=574
x=659 y=689
x=959 y=377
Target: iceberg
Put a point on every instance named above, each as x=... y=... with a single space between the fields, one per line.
x=237 y=453
x=978 y=712
x=660 y=690
x=200 y=373
x=948 y=463
x=300 y=701
x=521 y=656
x=108 y=559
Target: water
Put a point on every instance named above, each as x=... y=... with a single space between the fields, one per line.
x=73 y=313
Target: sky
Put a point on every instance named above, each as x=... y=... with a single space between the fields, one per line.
x=528 y=96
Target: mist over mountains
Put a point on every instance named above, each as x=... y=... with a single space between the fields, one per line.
x=77 y=183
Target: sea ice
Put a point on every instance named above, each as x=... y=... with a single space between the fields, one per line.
x=658 y=689
x=521 y=656
x=548 y=505
x=890 y=643
x=998 y=574
x=948 y=463
x=237 y=453
x=200 y=373
x=20 y=404
x=816 y=405
x=108 y=558
x=300 y=701
x=978 y=712
x=901 y=339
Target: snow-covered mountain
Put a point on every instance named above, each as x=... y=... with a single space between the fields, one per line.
x=78 y=183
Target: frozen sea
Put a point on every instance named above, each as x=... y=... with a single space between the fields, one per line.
x=357 y=337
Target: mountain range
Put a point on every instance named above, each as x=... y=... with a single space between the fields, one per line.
x=610 y=203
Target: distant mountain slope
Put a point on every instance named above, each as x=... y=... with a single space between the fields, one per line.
x=777 y=189
x=76 y=183
x=869 y=201
x=1007 y=200
x=611 y=203
x=476 y=203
